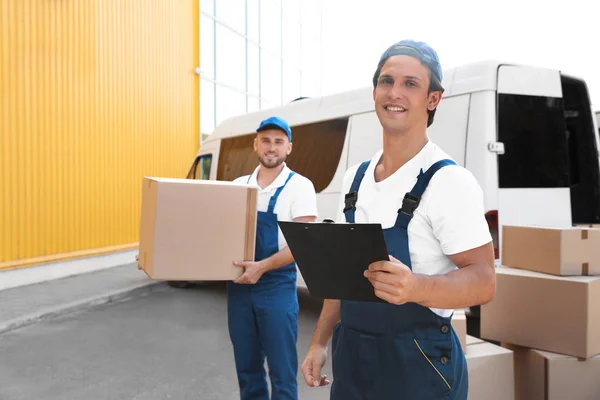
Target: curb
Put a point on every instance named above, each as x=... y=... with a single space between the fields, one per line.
x=72 y=307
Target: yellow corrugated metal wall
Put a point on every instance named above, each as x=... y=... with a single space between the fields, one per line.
x=94 y=95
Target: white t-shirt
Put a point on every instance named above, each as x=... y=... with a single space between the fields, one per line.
x=297 y=199
x=449 y=219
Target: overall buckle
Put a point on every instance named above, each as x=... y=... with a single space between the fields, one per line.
x=409 y=204
x=350 y=201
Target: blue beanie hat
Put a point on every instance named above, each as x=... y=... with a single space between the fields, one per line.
x=420 y=50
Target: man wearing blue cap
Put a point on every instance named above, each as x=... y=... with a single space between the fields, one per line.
x=441 y=256
x=262 y=305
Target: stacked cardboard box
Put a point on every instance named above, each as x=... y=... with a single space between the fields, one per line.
x=193 y=230
x=561 y=252
x=547 y=311
x=490 y=367
x=491 y=371
x=588 y=225
x=459 y=324
x=545 y=375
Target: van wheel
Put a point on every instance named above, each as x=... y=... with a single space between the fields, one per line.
x=179 y=284
x=473 y=315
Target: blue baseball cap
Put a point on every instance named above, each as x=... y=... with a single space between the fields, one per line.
x=276 y=123
x=419 y=50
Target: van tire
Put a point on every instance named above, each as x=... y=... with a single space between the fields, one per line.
x=179 y=284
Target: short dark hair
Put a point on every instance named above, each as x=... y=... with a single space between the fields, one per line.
x=434 y=86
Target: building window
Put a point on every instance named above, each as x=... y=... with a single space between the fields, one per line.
x=231 y=58
x=291 y=82
x=207 y=46
x=270 y=77
x=232 y=13
x=253 y=70
x=207 y=6
x=253 y=104
x=291 y=42
x=253 y=20
x=310 y=83
x=264 y=104
x=207 y=106
x=229 y=103
x=270 y=26
x=256 y=54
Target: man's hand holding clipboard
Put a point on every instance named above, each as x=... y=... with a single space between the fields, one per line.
x=392 y=280
x=334 y=260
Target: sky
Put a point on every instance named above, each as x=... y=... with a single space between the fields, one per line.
x=562 y=35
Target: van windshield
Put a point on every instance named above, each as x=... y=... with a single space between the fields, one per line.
x=201 y=168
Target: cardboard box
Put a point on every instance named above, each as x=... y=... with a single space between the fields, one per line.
x=459 y=324
x=596 y=226
x=491 y=371
x=557 y=251
x=546 y=312
x=541 y=375
x=193 y=230
x=472 y=340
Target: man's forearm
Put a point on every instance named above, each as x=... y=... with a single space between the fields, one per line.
x=280 y=259
x=466 y=287
x=330 y=315
x=283 y=257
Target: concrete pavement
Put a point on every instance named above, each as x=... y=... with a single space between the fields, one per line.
x=152 y=343
x=24 y=305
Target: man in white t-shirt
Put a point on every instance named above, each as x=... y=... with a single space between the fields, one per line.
x=262 y=304
x=442 y=257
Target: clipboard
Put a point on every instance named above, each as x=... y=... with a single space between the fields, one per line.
x=333 y=257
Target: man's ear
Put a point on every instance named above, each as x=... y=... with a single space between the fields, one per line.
x=434 y=100
x=289 y=149
x=255 y=144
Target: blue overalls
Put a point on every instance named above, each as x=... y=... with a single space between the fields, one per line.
x=263 y=320
x=383 y=351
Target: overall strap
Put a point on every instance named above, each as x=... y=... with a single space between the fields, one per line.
x=249 y=176
x=411 y=199
x=275 y=196
x=352 y=196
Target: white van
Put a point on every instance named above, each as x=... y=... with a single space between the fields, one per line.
x=528 y=135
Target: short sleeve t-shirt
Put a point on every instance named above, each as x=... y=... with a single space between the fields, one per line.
x=449 y=219
x=297 y=199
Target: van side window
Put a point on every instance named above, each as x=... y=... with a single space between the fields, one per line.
x=532 y=129
x=316 y=153
x=201 y=168
x=584 y=171
x=236 y=157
